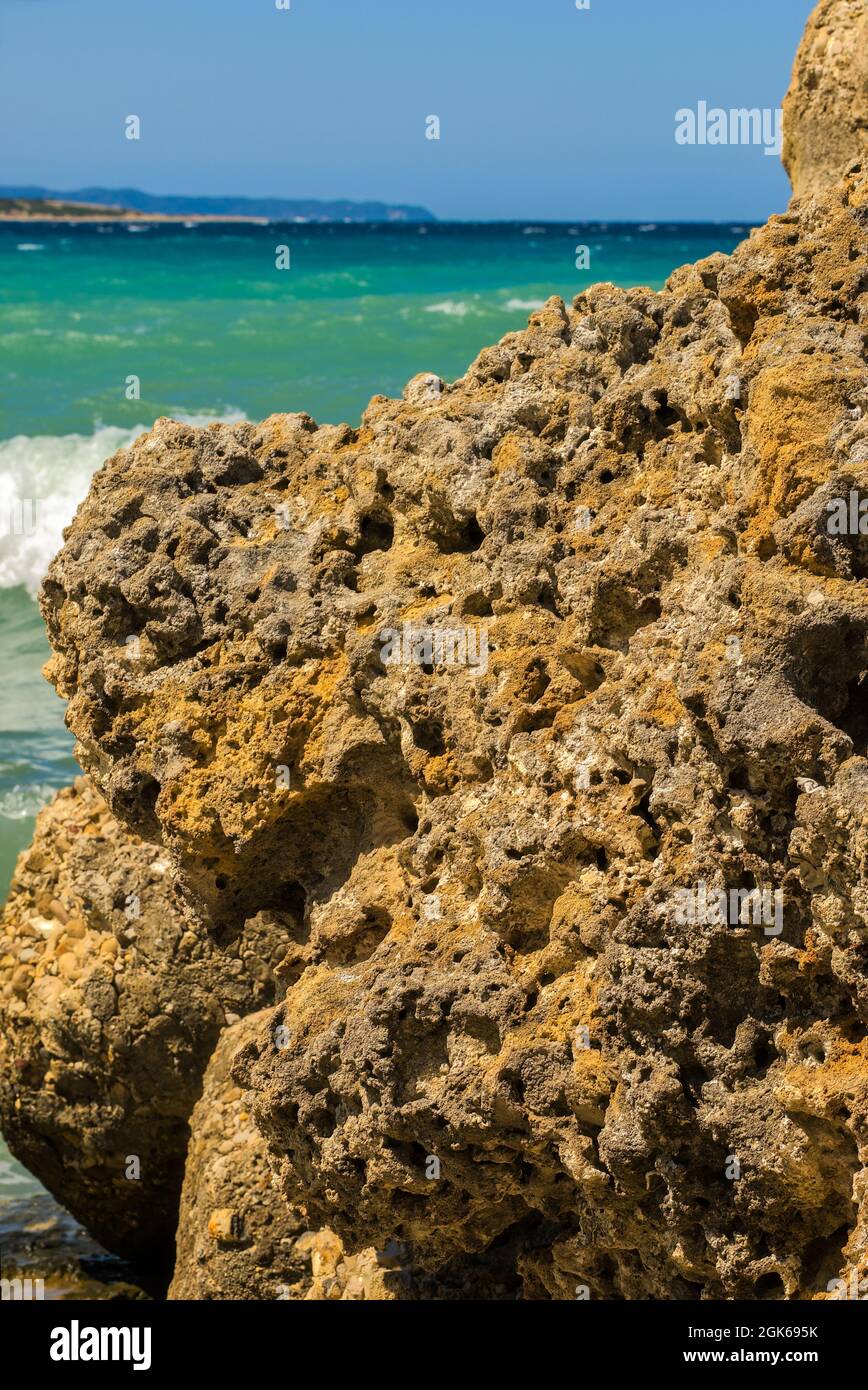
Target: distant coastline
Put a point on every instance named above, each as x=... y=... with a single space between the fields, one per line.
x=54 y=211
x=29 y=203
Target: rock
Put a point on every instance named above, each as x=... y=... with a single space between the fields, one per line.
x=107 y=1026
x=536 y=703
x=238 y=1239
x=235 y=1236
x=504 y=1022
x=826 y=108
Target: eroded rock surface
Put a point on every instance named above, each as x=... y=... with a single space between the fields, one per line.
x=627 y=504
x=478 y=707
x=238 y=1239
x=826 y=108
x=111 y=1002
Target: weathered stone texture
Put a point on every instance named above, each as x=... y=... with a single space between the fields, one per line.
x=826 y=108
x=503 y=1032
x=238 y=1239
x=111 y=1001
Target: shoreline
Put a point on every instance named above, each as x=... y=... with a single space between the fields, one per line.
x=29 y=218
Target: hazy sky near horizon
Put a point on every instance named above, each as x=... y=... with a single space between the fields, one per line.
x=546 y=111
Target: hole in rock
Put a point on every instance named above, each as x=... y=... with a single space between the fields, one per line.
x=361 y=943
x=643 y=809
x=739 y=780
x=769 y=1286
x=853 y=719
x=322 y=1122
x=477 y=606
x=538 y=682
x=539 y=719
x=692 y=1081
x=764 y=1054
x=665 y=415
x=290 y=898
x=823 y=1258
x=547 y=598
x=428 y=735
x=463 y=537
x=374 y=534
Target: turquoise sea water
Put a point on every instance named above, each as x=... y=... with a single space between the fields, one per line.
x=212 y=329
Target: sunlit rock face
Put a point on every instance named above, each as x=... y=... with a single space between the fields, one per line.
x=238 y=1238
x=531 y=716
x=112 y=998
x=826 y=108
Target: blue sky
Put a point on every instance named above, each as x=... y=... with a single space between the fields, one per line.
x=546 y=111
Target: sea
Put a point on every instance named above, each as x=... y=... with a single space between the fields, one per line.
x=106 y=326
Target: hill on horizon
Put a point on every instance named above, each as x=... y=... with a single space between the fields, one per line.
x=310 y=209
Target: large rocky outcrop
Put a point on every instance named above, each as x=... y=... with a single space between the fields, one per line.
x=628 y=502
x=826 y=108
x=482 y=705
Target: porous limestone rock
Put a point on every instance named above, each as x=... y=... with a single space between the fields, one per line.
x=238 y=1239
x=826 y=108
x=111 y=1001
x=498 y=691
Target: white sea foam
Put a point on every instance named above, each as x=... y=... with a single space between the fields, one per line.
x=20 y=802
x=43 y=478
x=528 y=304
x=31 y=246
x=455 y=308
